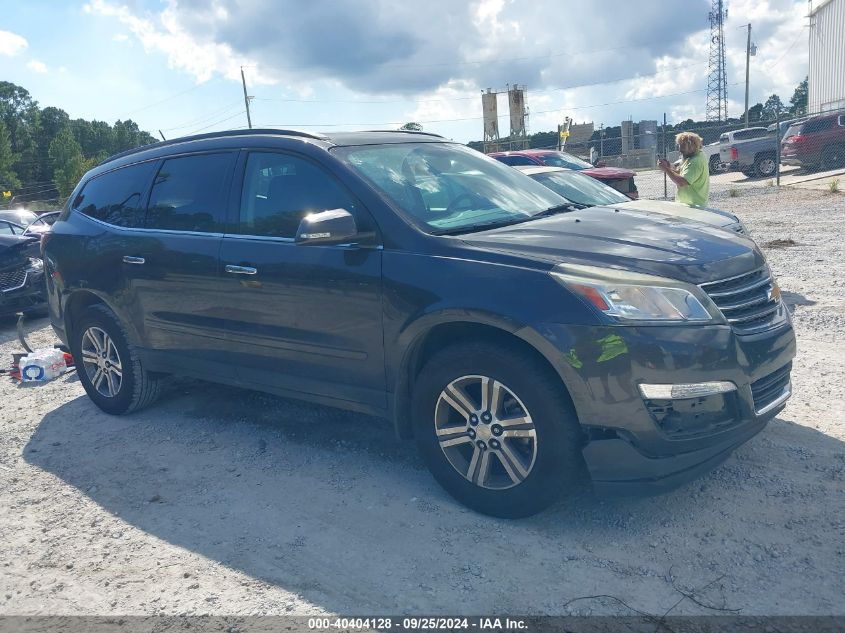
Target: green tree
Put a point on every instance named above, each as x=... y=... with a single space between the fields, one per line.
x=8 y=178
x=755 y=112
x=19 y=112
x=69 y=165
x=798 y=102
x=410 y=126
x=773 y=107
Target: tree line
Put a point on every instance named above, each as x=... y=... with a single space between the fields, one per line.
x=44 y=153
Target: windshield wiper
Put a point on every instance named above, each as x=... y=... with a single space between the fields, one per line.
x=561 y=208
x=484 y=226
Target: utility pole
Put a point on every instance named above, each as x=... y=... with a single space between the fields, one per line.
x=246 y=99
x=747 y=64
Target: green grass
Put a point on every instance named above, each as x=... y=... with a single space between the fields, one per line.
x=733 y=193
x=834 y=185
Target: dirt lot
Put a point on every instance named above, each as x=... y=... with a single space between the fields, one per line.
x=230 y=502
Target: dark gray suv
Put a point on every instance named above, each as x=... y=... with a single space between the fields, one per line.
x=522 y=341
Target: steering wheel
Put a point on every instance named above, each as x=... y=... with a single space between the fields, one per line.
x=465 y=198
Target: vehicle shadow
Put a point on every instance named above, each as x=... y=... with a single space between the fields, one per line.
x=331 y=506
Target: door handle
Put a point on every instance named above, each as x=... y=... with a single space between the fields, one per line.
x=128 y=259
x=241 y=270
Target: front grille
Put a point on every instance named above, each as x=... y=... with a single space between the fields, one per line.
x=11 y=279
x=694 y=417
x=748 y=301
x=769 y=388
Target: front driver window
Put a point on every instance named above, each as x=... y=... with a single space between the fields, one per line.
x=280 y=189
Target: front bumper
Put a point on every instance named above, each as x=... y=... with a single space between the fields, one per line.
x=638 y=446
x=31 y=295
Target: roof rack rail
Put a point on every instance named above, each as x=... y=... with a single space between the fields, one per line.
x=197 y=137
x=408 y=132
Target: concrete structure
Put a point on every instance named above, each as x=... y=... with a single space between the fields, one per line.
x=647 y=138
x=627 y=136
x=827 y=55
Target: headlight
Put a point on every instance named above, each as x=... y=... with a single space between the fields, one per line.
x=637 y=297
x=35 y=264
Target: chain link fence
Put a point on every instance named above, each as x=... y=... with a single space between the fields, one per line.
x=779 y=150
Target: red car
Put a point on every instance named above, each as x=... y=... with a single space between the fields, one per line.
x=817 y=142
x=616 y=177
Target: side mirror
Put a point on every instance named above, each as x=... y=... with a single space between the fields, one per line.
x=335 y=226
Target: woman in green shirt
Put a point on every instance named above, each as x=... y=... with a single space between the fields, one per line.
x=693 y=175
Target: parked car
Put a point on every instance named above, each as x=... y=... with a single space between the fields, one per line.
x=21 y=275
x=816 y=142
x=10 y=228
x=753 y=151
x=21 y=217
x=589 y=192
x=616 y=177
x=42 y=223
x=521 y=341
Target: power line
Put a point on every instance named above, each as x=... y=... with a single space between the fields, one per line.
x=238 y=113
x=173 y=96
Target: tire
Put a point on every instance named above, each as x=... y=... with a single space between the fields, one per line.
x=521 y=475
x=122 y=385
x=833 y=156
x=765 y=166
x=714 y=164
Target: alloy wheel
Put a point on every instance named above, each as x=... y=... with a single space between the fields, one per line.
x=485 y=432
x=101 y=362
x=767 y=166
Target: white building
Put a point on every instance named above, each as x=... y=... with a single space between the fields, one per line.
x=827 y=55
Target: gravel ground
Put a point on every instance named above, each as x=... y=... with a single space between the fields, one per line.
x=222 y=501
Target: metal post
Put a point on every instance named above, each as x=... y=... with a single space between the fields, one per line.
x=246 y=99
x=747 y=64
x=777 y=145
x=665 y=179
x=601 y=140
x=559 y=130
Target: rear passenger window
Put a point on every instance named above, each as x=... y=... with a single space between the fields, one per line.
x=116 y=197
x=817 y=126
x=280 y=189
x=189 y=194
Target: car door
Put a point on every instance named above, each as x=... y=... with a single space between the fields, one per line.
x=173 y=263
x=301 y=318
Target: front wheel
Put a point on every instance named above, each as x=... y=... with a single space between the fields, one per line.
x=496 y=429
x=833 y=156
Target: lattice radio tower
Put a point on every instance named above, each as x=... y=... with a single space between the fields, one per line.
x=717 y=78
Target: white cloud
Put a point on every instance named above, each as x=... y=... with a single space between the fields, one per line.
x=120 y=37
x=165 y=34
x=11 y=43
x=37 y=66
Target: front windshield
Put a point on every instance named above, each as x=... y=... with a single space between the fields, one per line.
x=446 y=187
x=562 y=159
x=580 y=188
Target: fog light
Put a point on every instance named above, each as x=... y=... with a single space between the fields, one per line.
x=681 y=391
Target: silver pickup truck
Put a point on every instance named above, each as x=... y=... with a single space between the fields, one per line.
x=753 y=150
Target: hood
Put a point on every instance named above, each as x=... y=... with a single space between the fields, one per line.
x=16 y=249
x=606 y=173
x=628 y=240
x=678 y=210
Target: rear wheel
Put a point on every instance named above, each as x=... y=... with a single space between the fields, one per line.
x=765 y=166
x=108 y=364
x=833 y=156
x=496 y=430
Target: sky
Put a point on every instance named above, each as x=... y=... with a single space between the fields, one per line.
x=175 y=65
